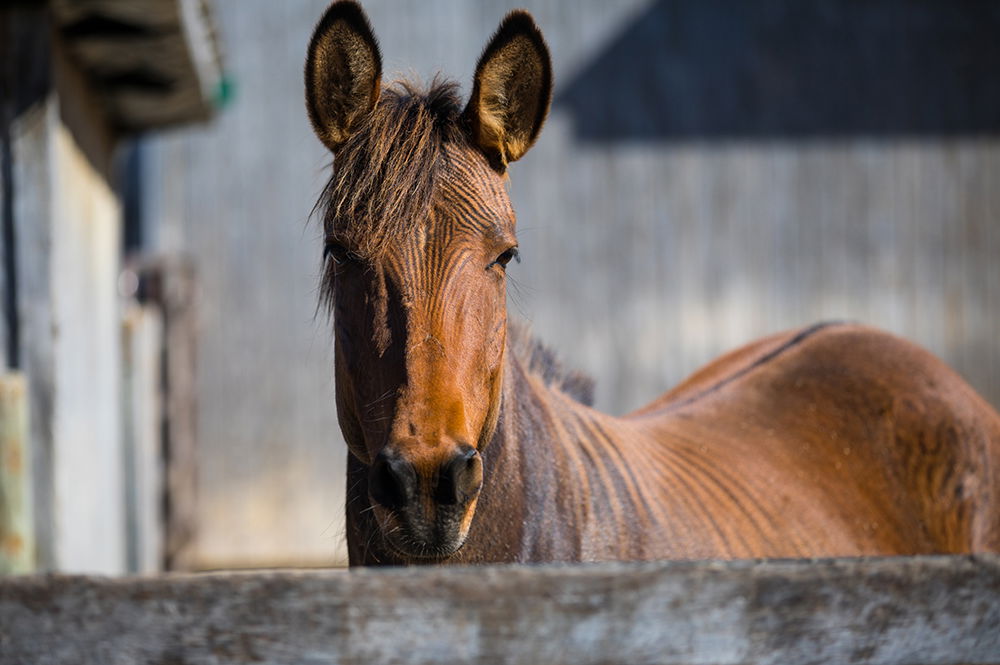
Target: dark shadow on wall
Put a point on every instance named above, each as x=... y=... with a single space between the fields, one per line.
x=705 y=69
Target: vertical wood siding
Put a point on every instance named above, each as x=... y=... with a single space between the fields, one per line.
x=642 y=260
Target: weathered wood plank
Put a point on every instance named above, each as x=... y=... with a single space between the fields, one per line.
x=891 y=611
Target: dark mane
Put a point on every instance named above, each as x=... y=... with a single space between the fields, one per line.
x=384 y=174
x=540 y=360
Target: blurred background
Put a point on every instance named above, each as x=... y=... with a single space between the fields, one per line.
x=712 y=171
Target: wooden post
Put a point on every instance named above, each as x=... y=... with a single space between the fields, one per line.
x=170 y=284
x=17 y=537
x=142 y=346
x=180 y=323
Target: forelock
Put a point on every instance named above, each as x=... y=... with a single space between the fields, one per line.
x=385 y=174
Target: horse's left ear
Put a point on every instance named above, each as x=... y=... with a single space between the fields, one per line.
x=511 y=91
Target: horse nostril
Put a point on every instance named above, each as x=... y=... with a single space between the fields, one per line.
x=460 y=478
x=392 y=481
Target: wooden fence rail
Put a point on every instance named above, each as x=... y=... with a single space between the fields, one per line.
x=922 y=610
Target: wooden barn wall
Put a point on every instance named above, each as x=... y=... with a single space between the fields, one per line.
x=645 y=253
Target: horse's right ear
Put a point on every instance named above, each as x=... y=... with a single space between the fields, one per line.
x=343 y=73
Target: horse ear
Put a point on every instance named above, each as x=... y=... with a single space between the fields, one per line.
x=343 y=73
x=511 y=91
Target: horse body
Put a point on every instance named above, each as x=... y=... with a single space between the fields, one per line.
x=467 y=444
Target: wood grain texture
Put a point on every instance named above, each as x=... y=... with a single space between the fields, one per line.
x=928 y=610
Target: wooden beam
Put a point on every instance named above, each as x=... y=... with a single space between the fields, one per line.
x=927 y=610
x=154 y=63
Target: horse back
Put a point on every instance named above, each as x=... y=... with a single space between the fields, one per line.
x=852 y=426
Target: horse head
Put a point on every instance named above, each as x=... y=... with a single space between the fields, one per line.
x=419 y=231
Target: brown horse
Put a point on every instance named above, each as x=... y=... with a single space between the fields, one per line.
x=469 y=444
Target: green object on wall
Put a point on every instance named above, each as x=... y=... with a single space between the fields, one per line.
x=224 y=91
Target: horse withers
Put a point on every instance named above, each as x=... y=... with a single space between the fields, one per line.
x=469 y=443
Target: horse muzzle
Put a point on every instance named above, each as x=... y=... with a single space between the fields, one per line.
x=425 y=512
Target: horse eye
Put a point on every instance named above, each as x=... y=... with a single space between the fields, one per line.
x=506 y=257
x=337 y=252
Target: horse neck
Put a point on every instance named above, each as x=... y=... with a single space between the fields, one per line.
x=535 y=475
